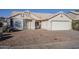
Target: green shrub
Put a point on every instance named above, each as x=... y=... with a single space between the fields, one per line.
x=1 y=24
x=75 y=25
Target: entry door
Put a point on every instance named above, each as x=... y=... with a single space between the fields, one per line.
x=11 y=22
x=61 y=25
x=37 y=25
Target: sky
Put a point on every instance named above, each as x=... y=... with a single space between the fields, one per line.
x=7 y=12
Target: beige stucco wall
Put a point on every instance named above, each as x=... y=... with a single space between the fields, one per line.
x=32 y=24
x=29 y=24
x=48 y=24
x=26 y=25
x=43 y=24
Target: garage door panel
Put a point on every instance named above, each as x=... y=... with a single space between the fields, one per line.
x=61 y=25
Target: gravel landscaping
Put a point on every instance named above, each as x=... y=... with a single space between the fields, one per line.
x=40 y=39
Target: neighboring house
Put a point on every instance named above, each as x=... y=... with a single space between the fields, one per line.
x=29 y=20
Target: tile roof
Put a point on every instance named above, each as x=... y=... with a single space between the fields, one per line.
x=45 y=16
x=73 y=16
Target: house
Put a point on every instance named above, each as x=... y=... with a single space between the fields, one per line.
x=28 y=20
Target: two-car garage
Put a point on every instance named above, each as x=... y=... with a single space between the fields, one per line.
x=60 y=22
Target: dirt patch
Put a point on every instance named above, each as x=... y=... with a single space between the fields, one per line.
x=37 y=37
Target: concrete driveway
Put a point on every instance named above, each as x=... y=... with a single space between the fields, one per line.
x=41 y=39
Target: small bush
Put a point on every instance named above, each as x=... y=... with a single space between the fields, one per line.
x=75 y=25
x=1 y=24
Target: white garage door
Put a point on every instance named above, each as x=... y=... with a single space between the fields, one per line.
x=61 y=25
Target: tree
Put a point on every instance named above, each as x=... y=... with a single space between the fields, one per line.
x=75 y=25
x=77 y=10
x=1 y=24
